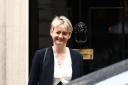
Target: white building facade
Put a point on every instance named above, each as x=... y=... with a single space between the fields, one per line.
x=13 y=42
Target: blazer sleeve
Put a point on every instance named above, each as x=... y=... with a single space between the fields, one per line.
x=77 y=64
x=35 y=68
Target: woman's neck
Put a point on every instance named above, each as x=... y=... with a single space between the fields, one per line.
x=59 y=50
x=60 y=54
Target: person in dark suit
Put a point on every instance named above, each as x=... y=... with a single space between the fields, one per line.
x=57 y=64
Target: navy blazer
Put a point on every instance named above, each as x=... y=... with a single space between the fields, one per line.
x=42 y=72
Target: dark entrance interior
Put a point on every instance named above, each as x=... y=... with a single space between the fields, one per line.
x=105 y=20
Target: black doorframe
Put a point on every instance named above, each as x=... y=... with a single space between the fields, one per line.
x=33 y=29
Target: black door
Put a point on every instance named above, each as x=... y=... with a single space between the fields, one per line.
x=104 y=23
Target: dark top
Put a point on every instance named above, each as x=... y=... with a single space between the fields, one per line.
x=42 y=72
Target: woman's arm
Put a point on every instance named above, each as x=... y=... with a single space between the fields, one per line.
x=35 y=69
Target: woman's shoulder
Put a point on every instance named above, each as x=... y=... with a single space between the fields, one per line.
x=39 y=53
x=75 y=52
x=76 y=55
x=40 y=50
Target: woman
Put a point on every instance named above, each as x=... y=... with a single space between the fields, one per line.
x=60 y=64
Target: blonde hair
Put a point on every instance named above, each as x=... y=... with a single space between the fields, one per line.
x=59 y=20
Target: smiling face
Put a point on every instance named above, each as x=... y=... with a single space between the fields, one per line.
x=60 y=35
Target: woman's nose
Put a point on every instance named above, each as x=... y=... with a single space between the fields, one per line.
x=60 y=35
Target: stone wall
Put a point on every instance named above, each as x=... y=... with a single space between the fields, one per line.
x=13 y=42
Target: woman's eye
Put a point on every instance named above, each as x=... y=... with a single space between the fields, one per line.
x=64 y=33
x=58 y=32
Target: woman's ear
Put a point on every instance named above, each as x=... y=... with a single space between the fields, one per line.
x=51 y=30
x=70 y=33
